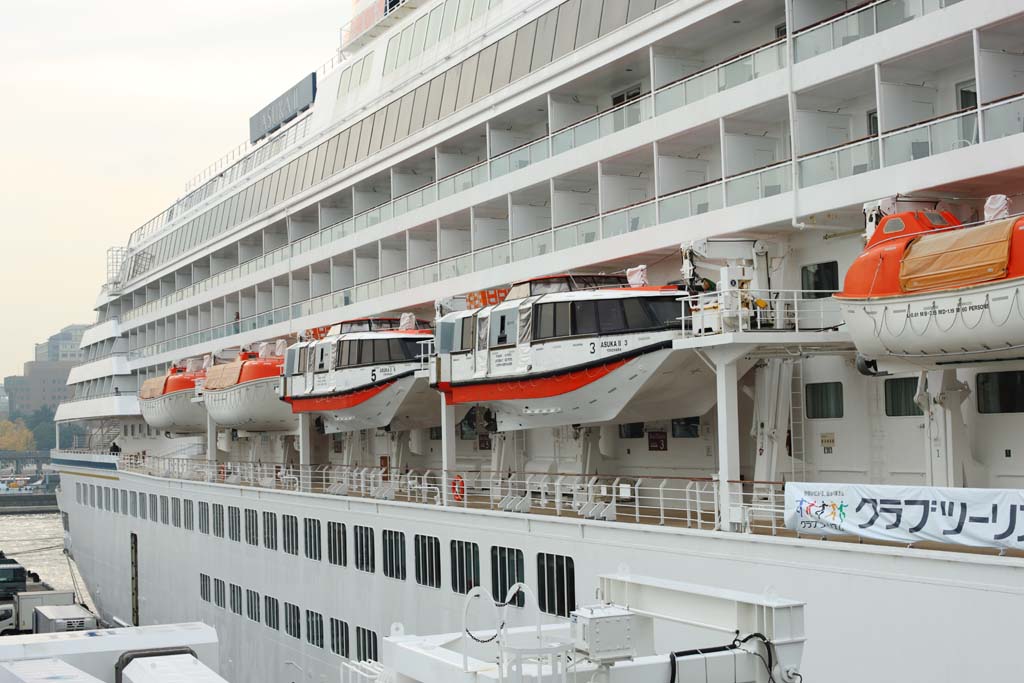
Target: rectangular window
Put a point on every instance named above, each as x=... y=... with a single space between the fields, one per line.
x=686 y=428
x=364 y=548
x=311 y=528
x=292 y=620
x=189 y=517
x=271 y=615
x=204 y=587
x=116 y=500
x=394 y=554
x=899 y=397
x=631 y=430
x=336 y=546
x=339 y=637
x=819 y=280
x=236 y=598
x=252 y=605
x=556 y=584
x=553 y=320
x=234 y=523
x=124 y=502
x=290 y=531
x=366 y=644
x=218 y=593
x=204 y=517
x=142 y=503
x=252 y=527
x=315 y=628
x=824 y=400
x=507 y=569
x=465 y=566
x=107 y=497
x=218 y=520
x=134 y=499
x=428 y=560
x=1001 y=392
x=270 y=530
x=154 y=507
x=176 y=512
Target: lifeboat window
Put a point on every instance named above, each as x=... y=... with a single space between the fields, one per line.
x=665 y=310
x=1001 y=392
x=824 y=400
x=291 y=362
x=554 y=320
x=819 y=280
x=339 y=637
x=270 y=530
x=893 y=225
x=365 y=351
x=465 y=566
x=394 y=554
x=428 y=560
x=936 y=218
x=503 y=327
x=445 y=336
x=396 y=351
x=380 y=351
x=468 y=325
x=507 y=569
x=353 y=353
x=899 y=397
x=631 y=430
x=686 y=428
x=342 y=355
x=556 y=584
x=610 y=316
x=584 y=318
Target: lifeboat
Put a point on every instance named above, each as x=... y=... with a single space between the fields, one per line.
x=929 y=292
x=571 y=349
x=368 y=376
x=243 y=394
x=167 y=402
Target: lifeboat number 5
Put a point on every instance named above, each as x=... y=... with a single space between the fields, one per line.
x=458 y=488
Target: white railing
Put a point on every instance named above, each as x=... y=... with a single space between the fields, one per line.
x=760 y=310
x=925 y=139
x=840 y=162
x=602 y=124
x=1003 y=118
x=759 y=183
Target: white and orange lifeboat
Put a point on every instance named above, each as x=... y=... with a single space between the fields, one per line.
x=168 y=404
x=930 y=292
x=567 y=349
x=243 y=394
x=365 y=377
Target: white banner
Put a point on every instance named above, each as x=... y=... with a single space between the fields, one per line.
x=990 y=518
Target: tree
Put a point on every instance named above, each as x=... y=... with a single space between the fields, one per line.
x=15 y=436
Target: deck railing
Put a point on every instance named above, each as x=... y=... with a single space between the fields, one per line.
x=760 y=310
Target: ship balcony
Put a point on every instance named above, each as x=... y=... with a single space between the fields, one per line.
x=108 y=329
x=110 y=365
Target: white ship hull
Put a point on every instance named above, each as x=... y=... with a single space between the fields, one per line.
x=251 y=406
x=970 y=325
x=176 y=413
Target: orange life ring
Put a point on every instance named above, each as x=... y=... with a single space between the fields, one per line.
x=221 y=470
x=458 y=488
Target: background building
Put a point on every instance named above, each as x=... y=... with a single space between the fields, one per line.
x=63 y=346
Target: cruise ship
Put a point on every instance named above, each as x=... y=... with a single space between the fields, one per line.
x=577 y=303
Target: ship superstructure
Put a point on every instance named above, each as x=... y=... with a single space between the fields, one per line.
x=495 y=169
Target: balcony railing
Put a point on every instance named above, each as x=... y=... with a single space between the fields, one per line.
x=759 y=183
x=929 y=138
x=1003 y=118
x=602 y=124
x=844 y=161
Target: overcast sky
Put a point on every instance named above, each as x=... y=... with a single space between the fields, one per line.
x=107 y=107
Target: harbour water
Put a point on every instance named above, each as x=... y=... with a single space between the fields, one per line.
x=37 y=542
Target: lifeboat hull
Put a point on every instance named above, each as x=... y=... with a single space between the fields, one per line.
x=174 y=412
x=252 y=406
x=407 y=402
x=931 y=329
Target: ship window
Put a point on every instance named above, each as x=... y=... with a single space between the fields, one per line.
x=165 y=509
x=380 y=351
x=397 y=352
x=204 y=587
x=366 y=644
x=503 y=327
x=236 y=598
x=686 y=428
x=484 y=71
x=936 y=218
x=78 y=492
x=154 y=505
x=545 y=40
x=556 y=584
x=584 y=318
x=290 y=532
x=271 y=612
x=465 y=566
x=451 y=90
x=467 y=325
x=1001 y=392
x=503 y=62
x=524 y=50
x=899 y=397
x=315 y=628
x=590 y=21
x=270 y=530
x=364 y=548
x=614 y=16
x=419 y=107
x=353 y=352
x=553 y=320
x=299 y=367
x=218 y=520
x=507 y=569
x=819 y=280
x=893 y=225
x=824 y=400
x=467 y=78
x=339 y=637
x=631 y=430
x=189 y=518
x=336 y=546
x=342 y=354
x=252 y=605
x=175 y=511
x=142 y=502
x=611 y=316
x=292 y=623
x=204 y=516
x=428 y=560
x=394 y=554
x=106 y=499
x=311 y=529
x=218 y=593
x=252 y=527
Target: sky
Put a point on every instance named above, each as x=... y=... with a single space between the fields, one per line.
x=107 y=108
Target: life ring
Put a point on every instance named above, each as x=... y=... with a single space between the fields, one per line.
x=458 y=488
x=221 y=470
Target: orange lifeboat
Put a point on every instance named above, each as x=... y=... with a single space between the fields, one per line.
x=167 y=402
x=932 y=292
x=243 y=394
